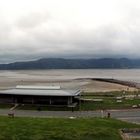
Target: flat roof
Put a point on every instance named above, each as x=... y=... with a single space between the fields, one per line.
x=40 y=92
x=37 y=87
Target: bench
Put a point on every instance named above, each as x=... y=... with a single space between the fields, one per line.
x=11 y=115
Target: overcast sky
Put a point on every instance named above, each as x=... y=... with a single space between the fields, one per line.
x=32 y=29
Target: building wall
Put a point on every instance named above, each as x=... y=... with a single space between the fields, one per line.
x=24 y=99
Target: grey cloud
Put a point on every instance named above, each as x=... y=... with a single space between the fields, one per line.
x=32 y=20
x=40 y=35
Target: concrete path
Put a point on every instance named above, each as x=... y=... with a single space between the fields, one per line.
x=126 y=115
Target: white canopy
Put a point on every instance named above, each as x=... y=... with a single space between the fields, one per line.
x=40 y=92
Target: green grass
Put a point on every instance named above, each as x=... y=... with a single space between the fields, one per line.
x=109 y=103
x=46 y=108
x=6 y=106
x=61 y=129
x=111 y=93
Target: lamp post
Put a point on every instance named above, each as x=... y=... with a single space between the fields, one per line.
x=80 y=102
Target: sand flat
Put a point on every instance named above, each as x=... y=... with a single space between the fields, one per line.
x=9 y=79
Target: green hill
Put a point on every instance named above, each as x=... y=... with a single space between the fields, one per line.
x=59 y=63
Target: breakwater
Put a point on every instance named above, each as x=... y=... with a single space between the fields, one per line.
x=125 y=83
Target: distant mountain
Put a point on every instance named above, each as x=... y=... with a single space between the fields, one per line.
x=59 y=63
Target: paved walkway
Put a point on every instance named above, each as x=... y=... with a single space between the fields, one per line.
x=127 y=115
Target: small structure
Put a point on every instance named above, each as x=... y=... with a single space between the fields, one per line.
x=11 y=115
x=130 y=133
x=108 y=115
x=119 y=101
x=119 y=98
x=47 y=95
x=92 y=100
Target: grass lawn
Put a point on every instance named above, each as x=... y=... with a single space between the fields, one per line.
x=109 y=101
x=61 y=129
x=108 y=105
x=111 y=93
x=6 y=105
x=46 y=108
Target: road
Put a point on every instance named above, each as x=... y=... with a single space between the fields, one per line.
x=126 y=115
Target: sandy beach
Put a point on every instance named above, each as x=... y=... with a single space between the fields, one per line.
x=9 y=79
